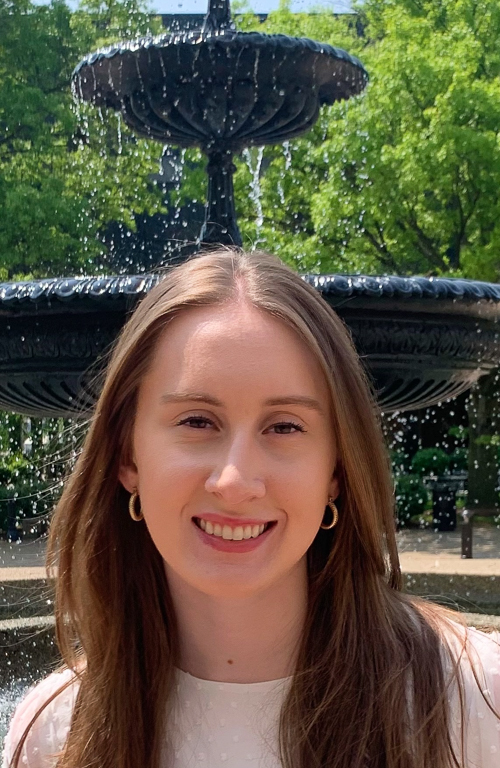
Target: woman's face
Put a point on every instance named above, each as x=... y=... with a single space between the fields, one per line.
x=233 y=452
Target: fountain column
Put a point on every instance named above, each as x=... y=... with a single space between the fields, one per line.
x=220 y=227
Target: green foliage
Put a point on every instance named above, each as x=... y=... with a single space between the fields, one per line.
x=64 y=174
x=429 y=461
x=459 y=460
x=404 y=178
x=400 y=461
x=28 y=500
x=411 y=498
x=14 y=469
x=493 y=441
x=459 y=432
x=34 y=457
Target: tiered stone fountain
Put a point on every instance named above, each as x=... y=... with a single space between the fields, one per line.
x=423 y=340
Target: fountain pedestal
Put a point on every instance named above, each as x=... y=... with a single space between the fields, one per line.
x=220 y=227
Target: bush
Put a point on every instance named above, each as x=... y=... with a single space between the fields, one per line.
x=430 y=461
x=459 y=460
x=14 y=469
x=27 y=500
x=411 y=498
x=22 y=494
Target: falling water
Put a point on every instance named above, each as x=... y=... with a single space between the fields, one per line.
x=254 y=162
x=287 y=151
x=10 y=696
x=119 y=132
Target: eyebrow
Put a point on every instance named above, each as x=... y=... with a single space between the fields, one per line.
x=202 y=397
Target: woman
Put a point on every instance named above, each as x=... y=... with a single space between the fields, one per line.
x=228 y=579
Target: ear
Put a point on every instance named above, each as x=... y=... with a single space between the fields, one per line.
x=334 y=488
x=128 y=477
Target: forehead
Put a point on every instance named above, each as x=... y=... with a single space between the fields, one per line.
x=235 y=345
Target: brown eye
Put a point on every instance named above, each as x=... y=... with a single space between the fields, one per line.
x=286 y=427
x=196 y=422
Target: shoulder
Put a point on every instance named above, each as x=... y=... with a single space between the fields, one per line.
x=475 y=651
x=49 y=731
x=475 y=711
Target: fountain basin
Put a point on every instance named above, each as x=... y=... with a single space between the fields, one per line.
x=219 y=89
x=422 y=339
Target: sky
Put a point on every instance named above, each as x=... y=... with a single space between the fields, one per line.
x=258 y=6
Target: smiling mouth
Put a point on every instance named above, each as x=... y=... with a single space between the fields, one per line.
x=230 y=533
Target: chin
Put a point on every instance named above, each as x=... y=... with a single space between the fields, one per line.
x=233 y=587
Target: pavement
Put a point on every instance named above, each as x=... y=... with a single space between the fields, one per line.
x=427 y=551
x=421 y=551
x=24 y=561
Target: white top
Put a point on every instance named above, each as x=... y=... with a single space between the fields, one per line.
x=237 y=724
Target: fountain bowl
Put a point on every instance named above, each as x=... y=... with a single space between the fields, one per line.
x=423 y=340
x=219 y=89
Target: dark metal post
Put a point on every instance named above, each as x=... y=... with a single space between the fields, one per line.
x=467 y=517
x=220 y=227
x=12 y=531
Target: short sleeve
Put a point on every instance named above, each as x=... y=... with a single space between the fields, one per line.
x=48 y=734
x=481 y=733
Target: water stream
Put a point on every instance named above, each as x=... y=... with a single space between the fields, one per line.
x=10 y=696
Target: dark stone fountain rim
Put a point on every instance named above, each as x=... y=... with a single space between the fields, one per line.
x=451 y=295
x=226 y=37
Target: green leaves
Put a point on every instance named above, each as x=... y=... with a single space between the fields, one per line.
x=405 y=178
x=64 y=174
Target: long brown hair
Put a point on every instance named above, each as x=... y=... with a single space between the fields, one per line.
x=369 y=690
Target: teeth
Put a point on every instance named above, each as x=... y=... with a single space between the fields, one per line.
x=238 y=533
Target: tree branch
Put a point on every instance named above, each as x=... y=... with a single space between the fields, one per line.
x=385 y=257
x=425 y=243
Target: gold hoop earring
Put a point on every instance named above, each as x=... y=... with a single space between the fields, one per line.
x=131 y=507
x=335 y=516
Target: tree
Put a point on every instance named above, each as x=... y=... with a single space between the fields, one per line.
x=64 y=172
x=415 y=171
x=405 y=178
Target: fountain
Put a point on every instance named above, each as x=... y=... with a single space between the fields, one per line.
x=424 y=340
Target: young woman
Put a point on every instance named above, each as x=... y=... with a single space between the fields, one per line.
x=227 y=573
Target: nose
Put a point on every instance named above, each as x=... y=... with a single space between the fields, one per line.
x=235 y=478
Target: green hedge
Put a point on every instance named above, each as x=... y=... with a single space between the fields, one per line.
x=22 y=487
x=411 y=498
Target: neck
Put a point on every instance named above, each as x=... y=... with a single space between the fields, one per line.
x=241 y=638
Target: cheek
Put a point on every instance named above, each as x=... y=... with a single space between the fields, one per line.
x=303 y=498
x=167 y=479
x=308 y=478
x=160 y=460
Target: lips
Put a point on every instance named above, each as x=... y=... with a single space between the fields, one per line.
x=238 y=532
x=233 y=546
